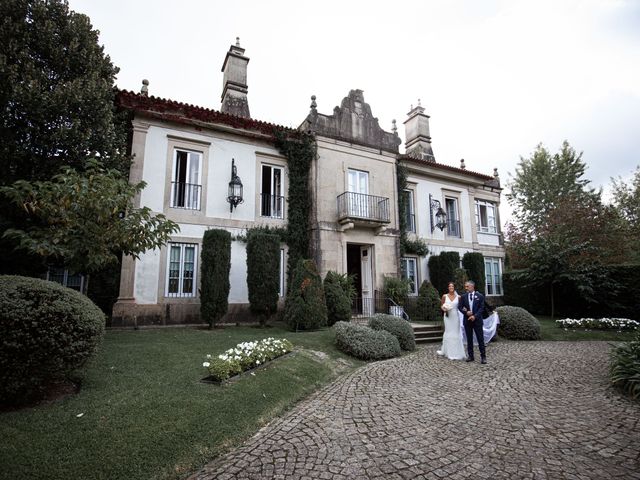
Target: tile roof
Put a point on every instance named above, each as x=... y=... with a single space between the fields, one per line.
x=418 y=161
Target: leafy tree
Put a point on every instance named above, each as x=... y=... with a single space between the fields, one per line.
x=85 y=219
x=542 y=181
x=626 y=200
x=263 y=269
x=216 y=264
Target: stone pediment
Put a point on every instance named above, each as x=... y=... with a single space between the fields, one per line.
x=352 y=121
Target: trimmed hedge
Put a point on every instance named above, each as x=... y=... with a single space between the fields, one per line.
x=624 y=369
x=428 y=304
x=442 y=270
x=365 y=343
x=399 y=328
x=517 y=324
x=214 y=271
x=263 y=274
x=473 y=263
x=305 y=307
x=46 y=332
x=338 y=297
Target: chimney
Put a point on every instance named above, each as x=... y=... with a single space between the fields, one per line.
x=418 y=139
x=234 y=86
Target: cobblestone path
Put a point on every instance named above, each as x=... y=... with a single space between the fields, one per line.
x=539 y=410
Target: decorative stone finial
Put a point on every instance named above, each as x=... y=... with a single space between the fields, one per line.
x=394 y=128
x=314 y=105
x=237 y=41
x=145 y=88
x=462 y=165
x=419 y=103
x=495 y=173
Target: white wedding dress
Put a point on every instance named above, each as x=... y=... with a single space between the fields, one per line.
x=452 y=346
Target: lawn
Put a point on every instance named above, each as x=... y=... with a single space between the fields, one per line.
x=147 y=416
x=550 y=331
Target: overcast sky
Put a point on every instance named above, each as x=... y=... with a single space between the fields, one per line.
x=496 y=77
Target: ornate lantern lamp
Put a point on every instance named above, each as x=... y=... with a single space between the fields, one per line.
x=235 y=188
x=440 y=214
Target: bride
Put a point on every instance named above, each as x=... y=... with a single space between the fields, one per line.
x=452 y=346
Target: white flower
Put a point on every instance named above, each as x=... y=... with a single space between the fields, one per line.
x=205 y=364
x=208 y=356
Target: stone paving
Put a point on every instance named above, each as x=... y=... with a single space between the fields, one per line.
x=539 y=410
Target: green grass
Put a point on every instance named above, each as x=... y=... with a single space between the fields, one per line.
x=551 y=331
x=147 y=416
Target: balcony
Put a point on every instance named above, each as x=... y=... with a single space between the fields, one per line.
x=453 y=228
x=361 y=209
x=271 y=206
x=185 y=195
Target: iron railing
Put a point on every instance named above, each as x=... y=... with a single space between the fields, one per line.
x=453 y=228
x=185 y=195
x=271 y=206
x=361 y=206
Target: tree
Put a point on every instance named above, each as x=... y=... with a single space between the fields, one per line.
x=216 y=264
x=626 y=200
x=57 y=101
x=542 y=181
x=339 y=294
x=263 y=274
x=85 y=219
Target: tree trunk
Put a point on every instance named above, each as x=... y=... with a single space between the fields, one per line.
x=552 y=304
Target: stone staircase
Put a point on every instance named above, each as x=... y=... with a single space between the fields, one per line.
x=427 y=333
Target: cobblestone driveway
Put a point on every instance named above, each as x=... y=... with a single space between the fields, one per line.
x=538 y=410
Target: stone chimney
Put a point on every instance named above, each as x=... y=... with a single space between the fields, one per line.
x=418 y=138
x=234 y=82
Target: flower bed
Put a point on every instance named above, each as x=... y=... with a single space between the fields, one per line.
x=619 y=324
x=245 y=356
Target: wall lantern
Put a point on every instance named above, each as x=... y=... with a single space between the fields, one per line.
x=441 y=215
x=235 y=188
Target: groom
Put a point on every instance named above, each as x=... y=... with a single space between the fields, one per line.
x=471 y=305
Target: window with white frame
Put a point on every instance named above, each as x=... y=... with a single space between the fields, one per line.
x=409 y=268
x=493 y=275
x=486 y=217
x=186 y=186
x=181 y=270
x=272 y=192
x=409 y=213
x=453 y=219
x=64 y=277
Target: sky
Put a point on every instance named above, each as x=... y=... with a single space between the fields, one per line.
x=496 y=77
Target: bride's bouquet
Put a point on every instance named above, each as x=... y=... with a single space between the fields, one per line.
x=447 y=306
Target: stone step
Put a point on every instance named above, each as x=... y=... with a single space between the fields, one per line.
x=427 y=328
x=429 y=339
x=435 y=333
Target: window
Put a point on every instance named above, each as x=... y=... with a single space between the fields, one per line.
x=271 y=197
x=453 y=222
x=358 y=184
x=409 y=267
x=62 y=276
x=185 y=184
x=486 y=217
x=493 y=275
x=181 y=270
x=409 y=213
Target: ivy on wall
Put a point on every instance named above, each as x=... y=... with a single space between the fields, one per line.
x=407 y=246
x=299 y=148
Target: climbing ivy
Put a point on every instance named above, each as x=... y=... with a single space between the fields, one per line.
x=407 y=246
x=300 y=150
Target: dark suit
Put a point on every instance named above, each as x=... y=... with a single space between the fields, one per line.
x=477 y=308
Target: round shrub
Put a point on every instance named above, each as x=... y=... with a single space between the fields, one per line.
x=399 y=328
x=338 y=299
x=46 y=332
x=517 y=324
x=428 y=304
x=305 y=307
x=624 y=369
x=365 y=343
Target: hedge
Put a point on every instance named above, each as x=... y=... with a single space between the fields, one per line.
x=46 y=332
x=365 y=343
x=517 y=324
x=305 y=307
x=338 y=293
x=263 y=274
x=473 y=263
x=399 y=328
x=428 y=308
x=214 y=272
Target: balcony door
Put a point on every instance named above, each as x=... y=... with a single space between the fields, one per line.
x=272 y=201
x=185 y=191
x=358 y=185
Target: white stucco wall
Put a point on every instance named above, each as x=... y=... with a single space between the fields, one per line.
x=147 y=276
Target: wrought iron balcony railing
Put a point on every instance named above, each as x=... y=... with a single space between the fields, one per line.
x=185 y=195
x=271 y=206
x=363 y=207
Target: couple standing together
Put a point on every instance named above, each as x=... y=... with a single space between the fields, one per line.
x=471 y=306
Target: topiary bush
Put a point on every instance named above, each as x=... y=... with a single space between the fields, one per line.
x=517 y=324
x=216 y=265
x=399 y=328
x=459 y=278
x=46 y=332
x=428 y=308
x=365 y=343
x=436 y=273
x=624 y=369
x=338 y=299
x=305 y=307
x=263 y=274
x=473 y=263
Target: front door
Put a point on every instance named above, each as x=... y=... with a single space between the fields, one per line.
x=367 y=281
